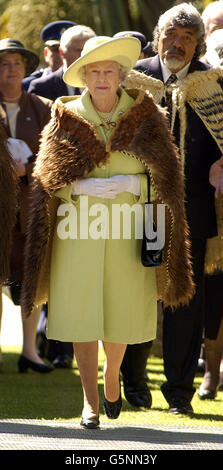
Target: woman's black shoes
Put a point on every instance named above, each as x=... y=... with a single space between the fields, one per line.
x=113 y=408
x=24 y=364
x=205 y=394
x=91 y=422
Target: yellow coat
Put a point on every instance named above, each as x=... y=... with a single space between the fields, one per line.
x=99 y=289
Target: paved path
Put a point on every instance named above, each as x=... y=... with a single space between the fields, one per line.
x=22 y=434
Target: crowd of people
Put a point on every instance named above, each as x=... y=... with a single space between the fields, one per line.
x=116 y=121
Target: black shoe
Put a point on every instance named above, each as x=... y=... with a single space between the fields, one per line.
x=138 y=395
x=90 y=423
x=63 y=361
x=205 y=394
x=180 y=406
x=24 y=364
x=113 y=408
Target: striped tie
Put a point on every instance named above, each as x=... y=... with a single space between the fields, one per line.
x=172 y=78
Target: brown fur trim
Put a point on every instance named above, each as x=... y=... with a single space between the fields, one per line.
x=77 y=144
x=37 y=237
x=140 y=112
x=8 y=197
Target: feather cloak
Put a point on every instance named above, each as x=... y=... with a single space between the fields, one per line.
x=8 y=201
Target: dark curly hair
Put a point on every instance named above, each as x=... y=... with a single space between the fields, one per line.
x=184 y=15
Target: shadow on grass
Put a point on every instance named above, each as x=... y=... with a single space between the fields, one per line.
x=199 y=416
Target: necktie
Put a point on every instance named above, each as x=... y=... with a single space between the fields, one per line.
x=172 y=78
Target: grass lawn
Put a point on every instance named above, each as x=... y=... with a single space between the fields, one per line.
x=58 y=396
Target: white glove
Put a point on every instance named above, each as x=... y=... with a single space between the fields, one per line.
x=107 y=188
x=128 y=183
x=18 y=149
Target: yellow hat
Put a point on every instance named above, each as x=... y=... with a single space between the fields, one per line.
x=124 y=50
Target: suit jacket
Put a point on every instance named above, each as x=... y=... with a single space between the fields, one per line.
x=51 y=86
x=27 y=80
x=201 y=151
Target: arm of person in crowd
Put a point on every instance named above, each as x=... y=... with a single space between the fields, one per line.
x=20 y=153
x=216 y=176
x=33 y=88
x=20 y=168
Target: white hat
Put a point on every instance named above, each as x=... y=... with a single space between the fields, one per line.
x=124 y=50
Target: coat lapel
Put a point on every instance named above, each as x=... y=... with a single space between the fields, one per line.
x=155 y=68
x=198 y=65
x=150 y=67
x=61 y=86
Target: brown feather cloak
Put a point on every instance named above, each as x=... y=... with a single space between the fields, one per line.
x=8 y=200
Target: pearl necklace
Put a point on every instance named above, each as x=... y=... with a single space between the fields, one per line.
x=106 y=120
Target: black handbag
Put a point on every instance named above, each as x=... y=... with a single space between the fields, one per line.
x=150 y=258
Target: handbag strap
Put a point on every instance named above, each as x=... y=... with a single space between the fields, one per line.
x=148 y=182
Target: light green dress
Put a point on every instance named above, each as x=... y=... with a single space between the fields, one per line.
x=99 y=289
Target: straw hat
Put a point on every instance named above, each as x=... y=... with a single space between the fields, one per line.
x=124 y=50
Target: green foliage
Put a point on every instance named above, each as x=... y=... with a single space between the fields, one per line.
x=28 y=17
x=24 y=19
x=121 y=15
x=200 y=5
x=3 y=5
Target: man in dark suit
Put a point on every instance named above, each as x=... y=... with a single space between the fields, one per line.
x=179 y=41
x=50 y=35
x=71 y=43
x=52 y=86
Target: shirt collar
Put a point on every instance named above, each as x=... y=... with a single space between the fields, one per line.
x=166 y=72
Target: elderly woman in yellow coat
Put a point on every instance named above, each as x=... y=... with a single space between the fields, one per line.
x=95 y=155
